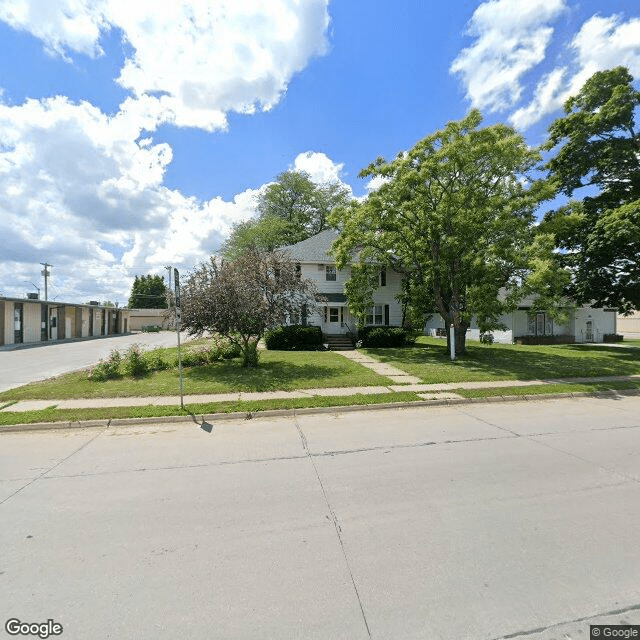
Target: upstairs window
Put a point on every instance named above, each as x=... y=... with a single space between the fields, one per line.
x=330 y=273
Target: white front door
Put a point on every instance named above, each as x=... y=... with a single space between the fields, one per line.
x=334 y=320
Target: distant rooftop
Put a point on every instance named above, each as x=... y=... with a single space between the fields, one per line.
x=313 y=249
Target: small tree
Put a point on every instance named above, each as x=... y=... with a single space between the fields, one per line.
x=148 y=292
x=243 y=298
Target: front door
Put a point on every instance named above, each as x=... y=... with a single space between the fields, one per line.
x=334 y=320
x=18 y=329
x=589 y=333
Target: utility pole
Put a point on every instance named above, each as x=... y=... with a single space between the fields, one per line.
x=46 y=274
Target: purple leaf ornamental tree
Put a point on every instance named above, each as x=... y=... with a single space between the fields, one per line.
x=243 y=298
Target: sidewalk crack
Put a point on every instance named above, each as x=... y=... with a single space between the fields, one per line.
x=334 y=519
x=55 y=466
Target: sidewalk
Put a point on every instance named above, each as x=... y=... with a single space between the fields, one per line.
x=425 y=391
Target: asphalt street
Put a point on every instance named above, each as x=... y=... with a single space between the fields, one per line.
x=30 y=364
x=473 y=522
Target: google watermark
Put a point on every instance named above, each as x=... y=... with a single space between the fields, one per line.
x=626 y=631
x=15 y=627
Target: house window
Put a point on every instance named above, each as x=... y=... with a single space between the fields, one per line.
x=330 y=273
x=383 y=277
x=539 y=324
x=375 y=314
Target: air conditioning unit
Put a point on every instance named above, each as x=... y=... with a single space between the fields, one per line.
x=33 y=296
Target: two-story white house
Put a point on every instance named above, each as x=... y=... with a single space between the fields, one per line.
x=333 y=315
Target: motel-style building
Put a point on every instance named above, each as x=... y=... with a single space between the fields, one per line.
x=29 y=321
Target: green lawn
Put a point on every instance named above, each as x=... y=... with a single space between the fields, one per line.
x=248 y=406
x=278 y=371
x=429 y=360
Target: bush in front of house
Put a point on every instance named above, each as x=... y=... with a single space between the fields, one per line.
x=385 y=337
x=612 y=337
x=219 y=348
x=134 y=363
x=294 y=337
x=159 y=360
x=107 y=369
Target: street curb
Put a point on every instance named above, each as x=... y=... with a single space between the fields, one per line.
x=276 y=413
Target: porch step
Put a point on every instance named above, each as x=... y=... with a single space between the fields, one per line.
x=339 y=343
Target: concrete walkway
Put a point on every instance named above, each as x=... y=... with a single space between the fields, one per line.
x=426 y=391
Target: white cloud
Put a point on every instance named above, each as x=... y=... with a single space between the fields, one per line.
x=78 y=190
x=60 y=24
x=319 y=166
x=511 y=38
x=601 y=43
x=193 y=61
x=83 y=190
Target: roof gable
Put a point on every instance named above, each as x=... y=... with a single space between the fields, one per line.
x=313 y=249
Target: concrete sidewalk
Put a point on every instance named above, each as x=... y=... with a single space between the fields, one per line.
x=426 y=391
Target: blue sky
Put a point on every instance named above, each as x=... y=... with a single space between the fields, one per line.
x=134 y=135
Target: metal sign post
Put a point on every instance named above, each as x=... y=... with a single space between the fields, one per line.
x=176 y=280
x=452 y=341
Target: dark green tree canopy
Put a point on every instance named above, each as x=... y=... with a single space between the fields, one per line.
x=598 y=147
x=148 y=292
x=455 y=216
x=290 y=210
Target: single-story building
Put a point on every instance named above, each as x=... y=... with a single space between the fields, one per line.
x=140 y=319
x=629 y=326
x=584 y=324
x=32 y=320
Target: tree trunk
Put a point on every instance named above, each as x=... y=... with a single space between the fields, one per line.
x=461 y=339
x=250 y=354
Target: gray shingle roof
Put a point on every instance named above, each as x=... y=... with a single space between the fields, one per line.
x=314 y=249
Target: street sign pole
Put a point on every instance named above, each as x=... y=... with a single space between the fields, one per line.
x=176 y=280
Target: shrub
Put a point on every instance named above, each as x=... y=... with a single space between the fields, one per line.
x=107 y=369
x=612 y=337
x=220 y=348
x=294 y=337
x=135 y=363
x=486 y=338
x=151 y=328
x=159 y=360
x=385 y=337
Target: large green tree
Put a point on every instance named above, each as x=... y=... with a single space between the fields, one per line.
x=289 y=210
x=148 y=292
x=598 y=157
x=455 y=216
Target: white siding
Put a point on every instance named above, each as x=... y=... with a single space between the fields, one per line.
x=602 y=323
x=473 y=332
x=382 y=296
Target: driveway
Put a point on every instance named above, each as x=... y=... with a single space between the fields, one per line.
x=30 y=364
x=477 y=522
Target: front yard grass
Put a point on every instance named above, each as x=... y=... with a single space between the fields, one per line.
x=278 y=371
x=196 y=410
x=429 y=360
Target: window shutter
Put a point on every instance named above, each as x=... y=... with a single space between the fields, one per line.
x=386 y=314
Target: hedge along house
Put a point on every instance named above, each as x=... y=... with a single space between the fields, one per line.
x=28 y=321
x=528 y=326
x=332 y=314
